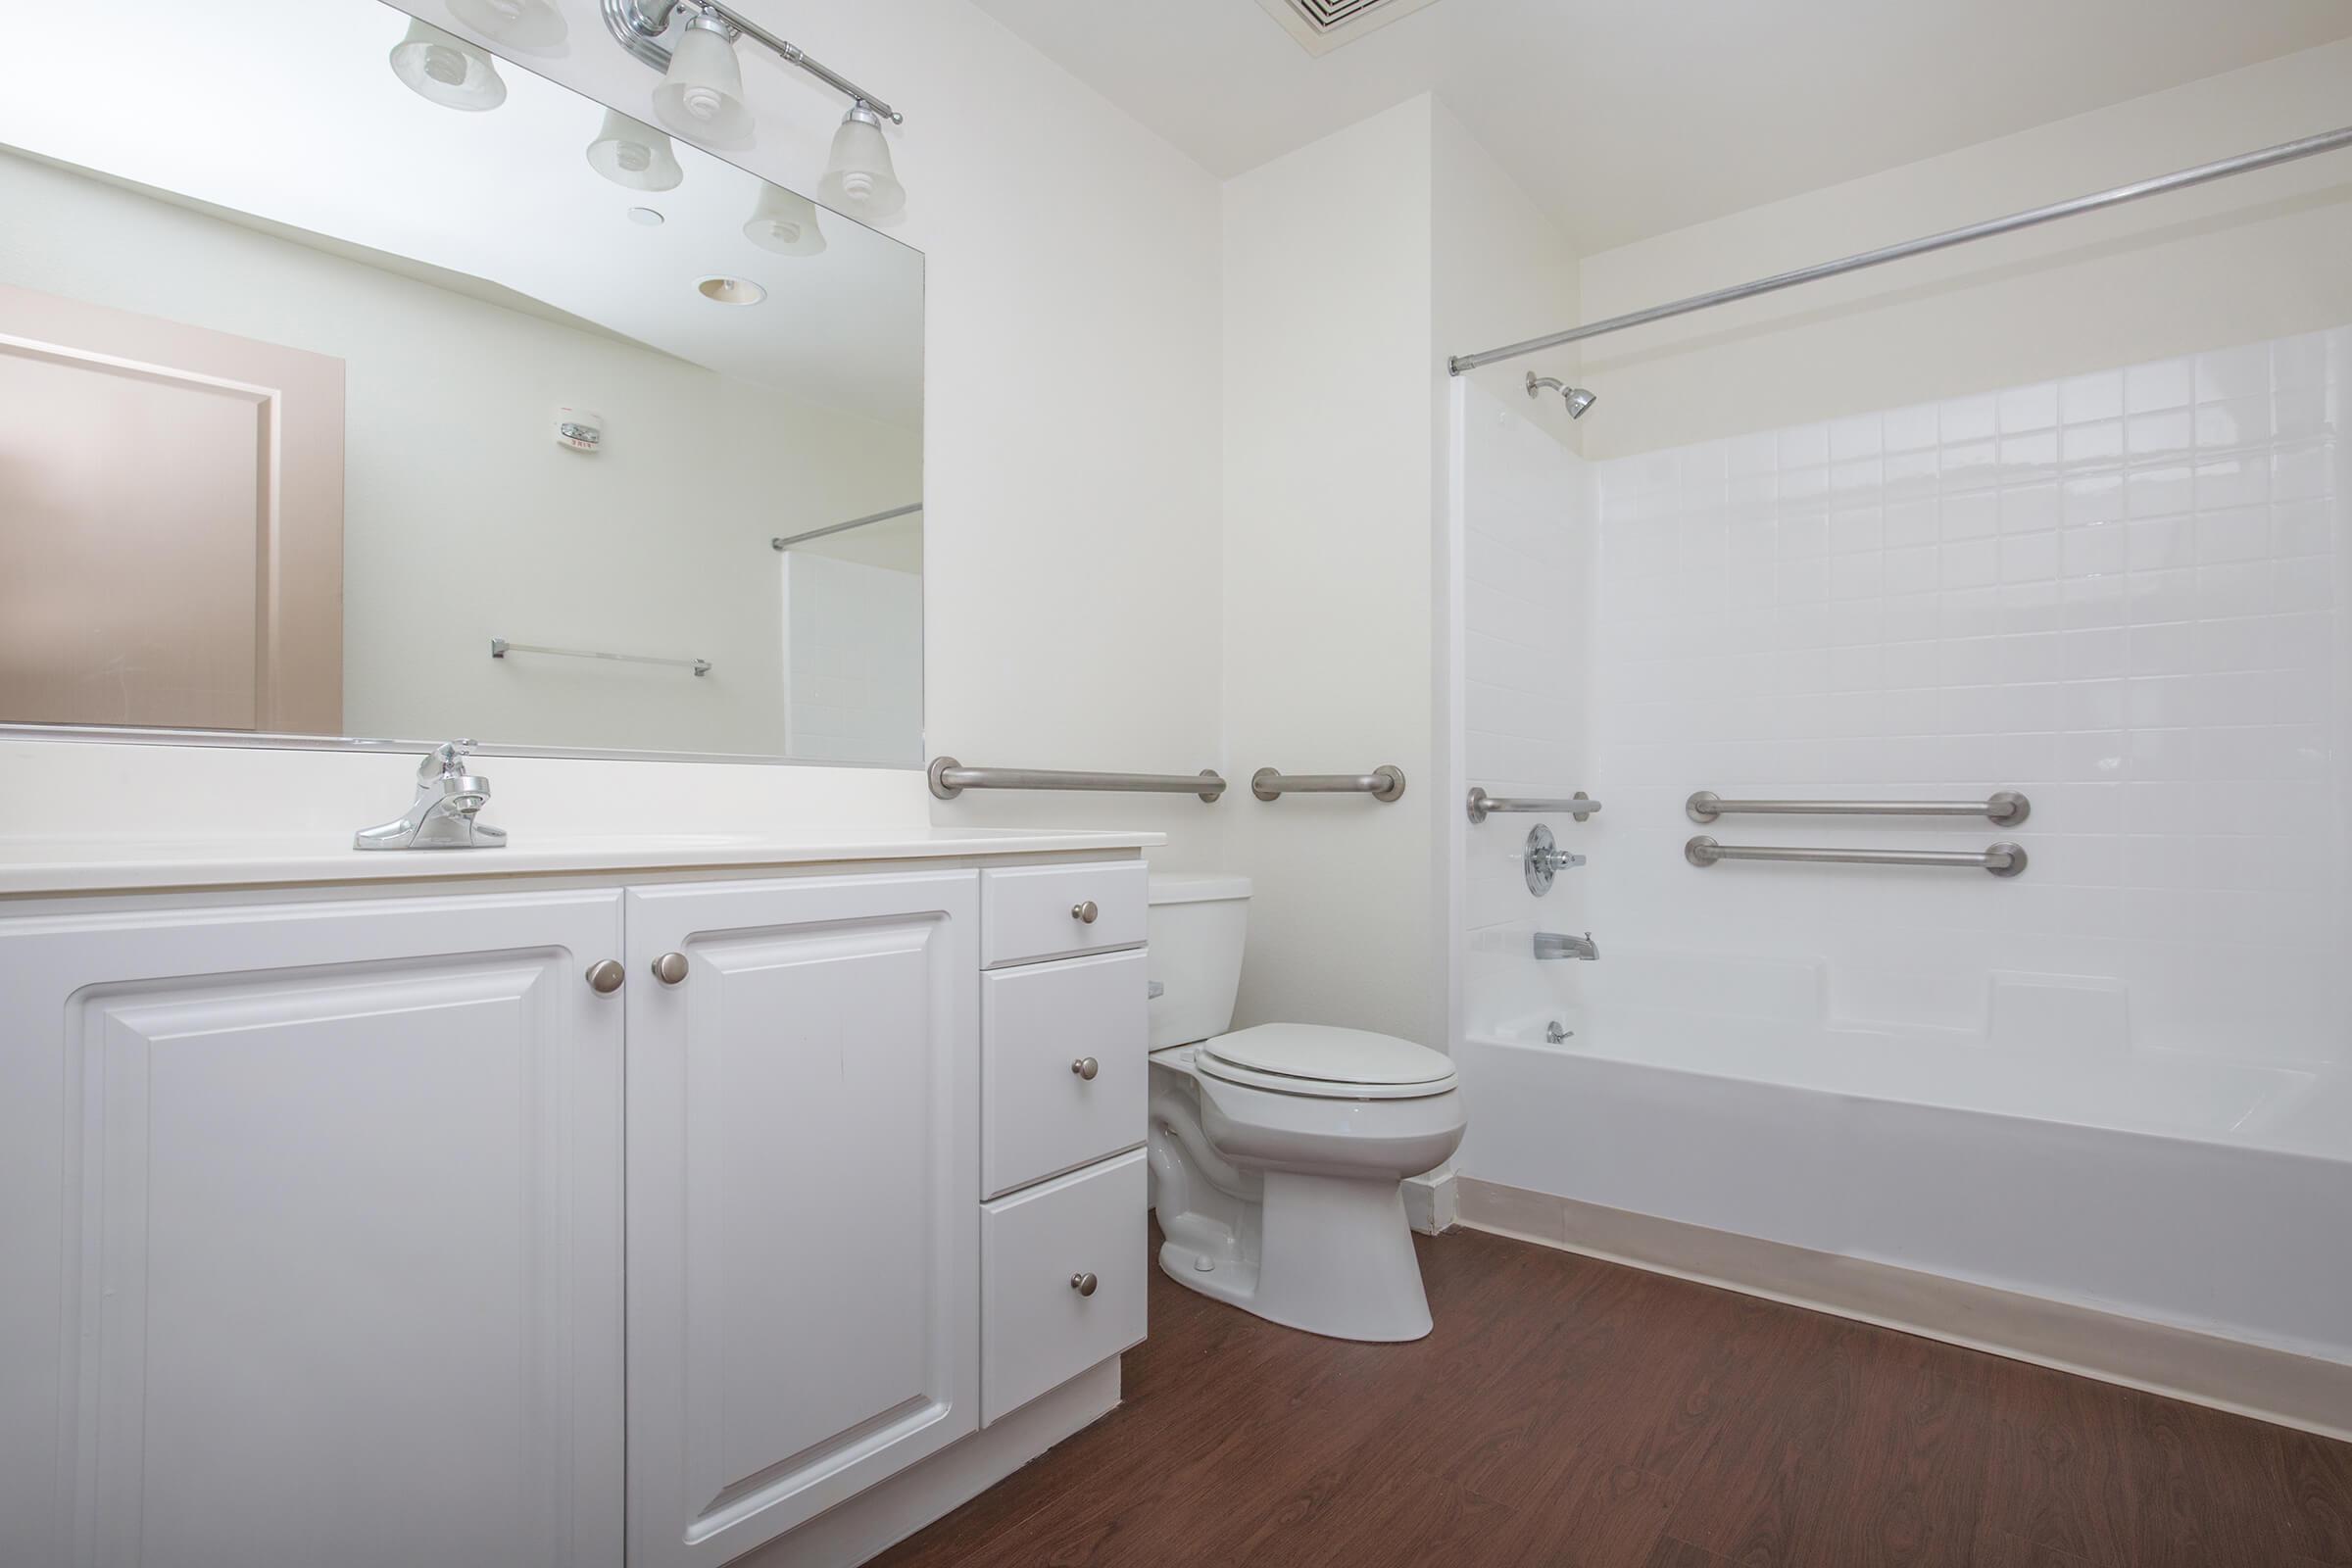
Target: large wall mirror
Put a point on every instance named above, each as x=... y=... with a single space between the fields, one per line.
x=352 y=389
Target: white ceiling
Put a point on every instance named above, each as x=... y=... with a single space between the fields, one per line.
x=1630 y=117
x=294 y=116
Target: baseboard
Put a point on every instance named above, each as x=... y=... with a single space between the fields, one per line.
x=2254 y=1380
x=883 y=1515
x=1431 y=1204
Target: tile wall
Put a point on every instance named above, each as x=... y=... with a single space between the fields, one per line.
x=2124 y=594
x=1526 y=659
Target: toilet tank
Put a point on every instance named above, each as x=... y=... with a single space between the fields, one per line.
x=1199 y=921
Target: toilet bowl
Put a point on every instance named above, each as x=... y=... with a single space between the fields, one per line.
x=1277 y=1152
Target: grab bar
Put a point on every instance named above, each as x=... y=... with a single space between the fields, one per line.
x=2008 y=808
x=2002 y=859
x=1581 y=805
x=950 y=778
x=500 y=648
x=1382 y=783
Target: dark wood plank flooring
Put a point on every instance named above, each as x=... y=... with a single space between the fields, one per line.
x=1569 y=1413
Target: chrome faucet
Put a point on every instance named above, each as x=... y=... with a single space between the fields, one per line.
x=1552 y=945
x=442 y=816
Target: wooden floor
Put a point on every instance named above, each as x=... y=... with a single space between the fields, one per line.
x=1568 y=1412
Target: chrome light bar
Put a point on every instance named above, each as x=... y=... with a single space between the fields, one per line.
x=641 y=24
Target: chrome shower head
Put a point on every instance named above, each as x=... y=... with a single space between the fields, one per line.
x=1577 y=398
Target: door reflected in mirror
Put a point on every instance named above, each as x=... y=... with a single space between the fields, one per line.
x=357 y=383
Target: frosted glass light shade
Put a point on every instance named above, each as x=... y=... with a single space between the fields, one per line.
x=702 y=95
x=859 y=180
x=785 y=223
x=632 y=154
x=446 y=71
x=535 y=27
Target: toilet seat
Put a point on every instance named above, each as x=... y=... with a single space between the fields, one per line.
x=1323 y=1062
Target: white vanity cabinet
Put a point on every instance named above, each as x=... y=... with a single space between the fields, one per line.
x=803 y=1162
x=310 y=1214
x=313 y=1205
x=1065 y=1043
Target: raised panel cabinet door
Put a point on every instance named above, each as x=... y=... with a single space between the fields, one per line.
x=312 y=1214
x=803 y=1199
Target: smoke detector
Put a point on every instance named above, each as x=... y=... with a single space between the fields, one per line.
x=1322 y=26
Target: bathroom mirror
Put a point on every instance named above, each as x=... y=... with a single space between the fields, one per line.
x=357 y=383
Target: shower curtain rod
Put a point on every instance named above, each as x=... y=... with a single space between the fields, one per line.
x=2286 y=152
x=787 y=541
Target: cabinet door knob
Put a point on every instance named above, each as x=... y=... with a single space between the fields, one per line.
x=1085 y=912
x=606 y=975
x=1086 y=1067
x=1083 y=1284
x=670 y=968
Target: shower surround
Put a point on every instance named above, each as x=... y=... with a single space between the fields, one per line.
x=2122 y=1081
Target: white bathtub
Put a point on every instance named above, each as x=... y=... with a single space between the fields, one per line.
x=2207 y=1194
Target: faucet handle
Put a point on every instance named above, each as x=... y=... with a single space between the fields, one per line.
x=445 y=760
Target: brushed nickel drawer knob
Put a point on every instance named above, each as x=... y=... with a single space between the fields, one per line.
x=1084 y=913
x=670 y=968
x=1083 y=1284
x=606 y=975
x=1086 y=1067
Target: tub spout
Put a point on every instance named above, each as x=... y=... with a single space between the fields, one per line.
x=1552 y=945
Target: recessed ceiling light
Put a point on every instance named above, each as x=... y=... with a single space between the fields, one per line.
x=646 y=217
x=730 y=290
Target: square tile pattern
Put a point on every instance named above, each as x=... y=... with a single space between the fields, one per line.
x=2119 y=593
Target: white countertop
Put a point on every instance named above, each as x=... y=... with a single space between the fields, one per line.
x=32 y=865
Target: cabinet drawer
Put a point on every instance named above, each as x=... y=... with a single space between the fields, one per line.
x=1033 y=913
x=1040 y=1116
x=1037 y=1331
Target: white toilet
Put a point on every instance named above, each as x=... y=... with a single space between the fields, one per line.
x=1277 y=1152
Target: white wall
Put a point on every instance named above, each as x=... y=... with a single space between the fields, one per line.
x=1350 y=267
x=1327 y=604
x=464 y=520
x=1504 y=272
x=2257 y=257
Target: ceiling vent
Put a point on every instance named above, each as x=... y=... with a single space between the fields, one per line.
x=1322 y=26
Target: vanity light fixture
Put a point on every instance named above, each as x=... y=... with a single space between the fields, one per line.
x=702 y=94
x=447 y=71
x=534 y=26
x=784 y=222
x=634 y=155
x=859 y=180
x=640 y=27
x=730 y=291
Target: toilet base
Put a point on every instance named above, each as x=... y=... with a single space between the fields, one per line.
x=1341 y=1252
